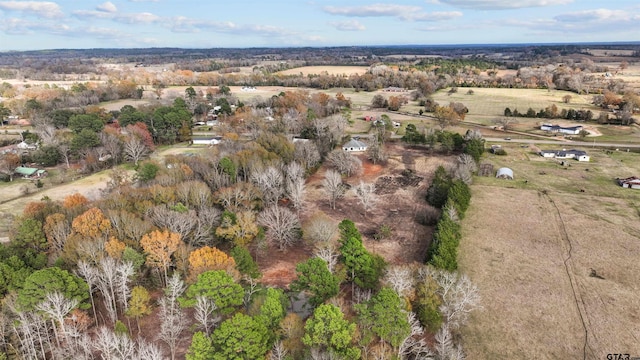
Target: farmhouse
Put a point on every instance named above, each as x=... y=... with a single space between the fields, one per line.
x=630 y=182
x=566 y=154
x=30 y=173
x=571 y=130
x=354 y=145
x=215 y=141
x=504 y=173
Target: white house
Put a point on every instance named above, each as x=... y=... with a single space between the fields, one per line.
x=571 y=130
x=215 y=141
x=354 y=145
x=566 y=154
x=26 y=146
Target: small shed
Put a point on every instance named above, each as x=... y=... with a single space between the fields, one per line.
x=630 y=182
x=505 y=173
x=354 y=145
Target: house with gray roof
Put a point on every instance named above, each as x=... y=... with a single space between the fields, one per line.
x=566 y=154
x=354 y=145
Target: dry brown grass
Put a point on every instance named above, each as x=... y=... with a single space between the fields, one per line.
x=329 y=70
x=514 y=248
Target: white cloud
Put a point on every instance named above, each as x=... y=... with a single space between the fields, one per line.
x=434 y=16
x=402 y=12
x=597 y=15
x=143 y=0
x=188 y=25
x=503 y=4
x=133 y=18
x=44 y=9
x=348 y=25
x=372 y=10
x=107 y=7
x=581 y=23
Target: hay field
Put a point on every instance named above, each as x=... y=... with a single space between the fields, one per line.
x=531 y=248
x=493 y=101
x=329 y=70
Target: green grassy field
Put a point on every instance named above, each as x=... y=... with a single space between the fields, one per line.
x=492 y=101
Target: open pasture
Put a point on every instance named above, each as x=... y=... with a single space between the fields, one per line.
x=493 y=101
x=554 y=253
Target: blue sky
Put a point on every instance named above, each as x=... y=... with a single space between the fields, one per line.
x=30 y=25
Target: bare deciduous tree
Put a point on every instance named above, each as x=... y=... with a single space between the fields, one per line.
x=89 y=274
x=376 y=152
x=400 y=278
x=124 y=271
x=204 y=313
x=113 y=145
x=194 y=194
x=114 y=346
x=344 y=162
x=47 y=134
x=295 y=192
x=328 y=132
x=366 y=193
x=148 y=351
x=188 y=224
x=294 y=171
x=106 y=274
x=135 y=149
x=505 y=122
x=307 y=154
x=329 y=254
x=445 y=348
x=332 y=186
x=292 y=121
x=278 y=352
x=283 y=226
x=414 y=345
x=271 y=182
x=465 y=167
x=320 y=229
x=172 y=318
x=459 y=295
x=128 y=225
x=57 y=306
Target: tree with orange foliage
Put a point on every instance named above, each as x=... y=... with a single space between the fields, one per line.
x=8 y=164
x=114 y=248
x=209 y=258
x=56 y=229
x=159 y=246
x=73 y=200
x=92 y=224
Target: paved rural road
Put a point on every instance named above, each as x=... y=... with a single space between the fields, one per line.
x=567 y=143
